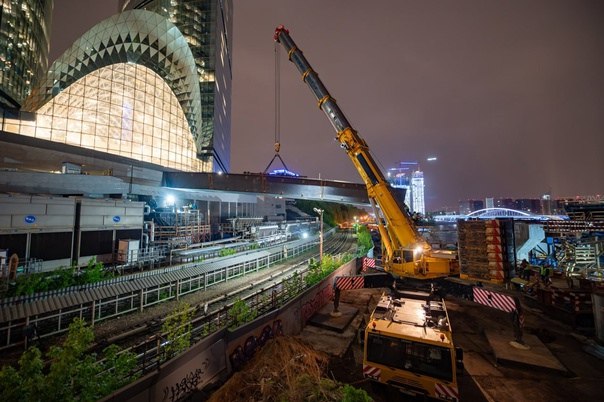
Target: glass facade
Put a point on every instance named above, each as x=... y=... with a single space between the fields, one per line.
x=206 y=26
x=127 y=87
x=123 y=109
x=24 y=47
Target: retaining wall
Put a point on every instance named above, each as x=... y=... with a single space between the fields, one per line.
x=219 y=354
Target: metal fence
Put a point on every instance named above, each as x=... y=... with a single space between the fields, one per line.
x=46 y=315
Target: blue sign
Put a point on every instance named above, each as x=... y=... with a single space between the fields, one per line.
x=30 y=219
x=116 y=219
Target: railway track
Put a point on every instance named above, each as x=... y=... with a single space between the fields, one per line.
x=263 y=291
x=50 y=313
x=140 y=332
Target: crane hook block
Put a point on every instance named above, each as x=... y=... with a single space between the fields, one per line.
x=278 y=31
x=277 y=147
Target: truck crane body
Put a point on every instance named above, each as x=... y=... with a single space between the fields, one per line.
x=406 y=252
x=408 y=340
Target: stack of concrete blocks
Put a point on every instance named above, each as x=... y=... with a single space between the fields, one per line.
x=483 y=250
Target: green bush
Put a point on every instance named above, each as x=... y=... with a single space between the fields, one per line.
x=320 y=270
x=177 y=328
x=364 y=241
x=58 y=279
x=72 y=374
x=226 y=252
x=240 y=313
x=352 y=394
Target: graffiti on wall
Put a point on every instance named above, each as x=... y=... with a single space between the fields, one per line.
x=321 y=298
x=187 y=384
x=253 y=343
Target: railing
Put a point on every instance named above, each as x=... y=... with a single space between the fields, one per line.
x=50 y=322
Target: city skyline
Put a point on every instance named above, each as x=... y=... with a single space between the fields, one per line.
x=507 y=95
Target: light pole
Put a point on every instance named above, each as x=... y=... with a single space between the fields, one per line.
x=320 y=212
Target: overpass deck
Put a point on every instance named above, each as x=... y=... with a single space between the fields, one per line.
x=285 y=186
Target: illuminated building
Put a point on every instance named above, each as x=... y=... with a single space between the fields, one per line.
x=412 y=183
x=24 y=46
x=417 y=192
x=131 y=87
x=206 y=25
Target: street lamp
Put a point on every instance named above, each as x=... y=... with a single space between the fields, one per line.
x=320 y=213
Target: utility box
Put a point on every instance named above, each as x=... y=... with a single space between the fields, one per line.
x=127 y=251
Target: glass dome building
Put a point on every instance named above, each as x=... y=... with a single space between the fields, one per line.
x=127 y=87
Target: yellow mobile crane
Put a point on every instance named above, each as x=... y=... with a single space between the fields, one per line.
x=406 y=253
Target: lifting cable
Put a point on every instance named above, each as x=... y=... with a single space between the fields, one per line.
x=277 y=98
x=277 y=109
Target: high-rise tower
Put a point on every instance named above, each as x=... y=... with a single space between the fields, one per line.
x=207 y=28
x=417 y=192
x=408 y=176
x=24 y=47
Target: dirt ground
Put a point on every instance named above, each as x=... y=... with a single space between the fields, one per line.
x=484 y=379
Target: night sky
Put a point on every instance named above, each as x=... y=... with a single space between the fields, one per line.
x=508 y=95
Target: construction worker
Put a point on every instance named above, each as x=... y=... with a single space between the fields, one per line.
x=525 y=270
x=545 y=273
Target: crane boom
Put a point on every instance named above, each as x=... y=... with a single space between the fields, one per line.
x=406 y=252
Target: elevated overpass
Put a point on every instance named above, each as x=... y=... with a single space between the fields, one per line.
x=256 y=183
x=188 y=185
x=31 y=166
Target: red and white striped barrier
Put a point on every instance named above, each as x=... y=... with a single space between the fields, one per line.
x=368 y=263
x=371 y=372
x=350 y=282
x=446 y=392
x=493 y=299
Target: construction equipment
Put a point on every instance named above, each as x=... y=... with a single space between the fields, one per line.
x=405 y=252
x=408 y=341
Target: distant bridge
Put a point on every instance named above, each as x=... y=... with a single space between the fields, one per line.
x=494 y=213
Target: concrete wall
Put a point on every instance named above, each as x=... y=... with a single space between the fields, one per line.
x=218 y=355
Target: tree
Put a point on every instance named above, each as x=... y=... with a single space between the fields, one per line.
x=73 y=374
x=240 y=313
x=177 y=328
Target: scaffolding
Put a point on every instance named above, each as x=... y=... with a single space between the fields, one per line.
x=180 y=229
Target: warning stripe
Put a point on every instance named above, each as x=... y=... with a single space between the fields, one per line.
x=445 y=392
x=494 y=256
x=494 y=248
x=368 y=263
x=371 y=372
x=350 y=282
x=493 y=299
x=493 y=231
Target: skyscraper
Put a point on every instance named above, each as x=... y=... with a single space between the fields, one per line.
x=127 y=87
x=409 y=177
x=207 y=28
x=24 y=47
x=417 y=192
